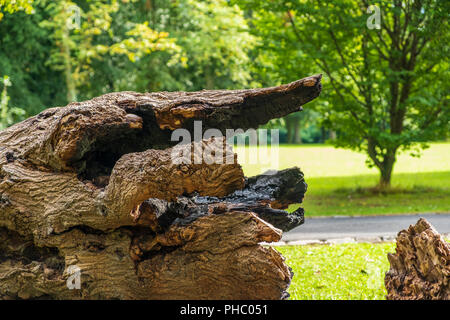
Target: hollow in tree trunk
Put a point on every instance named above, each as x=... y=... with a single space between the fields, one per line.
x=386 y=167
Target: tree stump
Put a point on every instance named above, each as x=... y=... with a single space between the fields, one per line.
x=89 y=191
x=420 y=268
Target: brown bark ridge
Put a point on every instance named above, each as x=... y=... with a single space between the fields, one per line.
x=420 y=268
x=93 y=187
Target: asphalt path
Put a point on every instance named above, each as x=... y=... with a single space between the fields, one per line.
x=362 y=228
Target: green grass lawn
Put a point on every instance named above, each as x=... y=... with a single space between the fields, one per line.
x=412 y=193
x=339 y=182
x=343 y=271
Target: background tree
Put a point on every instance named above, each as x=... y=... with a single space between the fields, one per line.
x=275 y=60
x=50 y=64
x=10 y=115
x=216 y=43
x=82 y=33
x=388 y=87
x=303 y=127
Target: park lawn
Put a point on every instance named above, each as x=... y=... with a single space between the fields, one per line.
x=353 y=271
x=339 y=182
x=411 y=193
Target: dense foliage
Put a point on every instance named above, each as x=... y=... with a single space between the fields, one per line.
x=74 y=50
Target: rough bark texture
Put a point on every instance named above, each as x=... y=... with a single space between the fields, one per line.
x=94 y=185
x=420 y=268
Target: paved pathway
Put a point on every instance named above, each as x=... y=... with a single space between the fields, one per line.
x=349 y=229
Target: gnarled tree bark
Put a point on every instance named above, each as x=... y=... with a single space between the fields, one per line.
x=93 y=185
x=420 y=268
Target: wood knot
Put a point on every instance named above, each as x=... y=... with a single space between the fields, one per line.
x=10 y=157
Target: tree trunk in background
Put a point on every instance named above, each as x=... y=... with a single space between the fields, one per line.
x=70 y=83
x=420 y=268
x=297 y=135
x=385 y=178
x=290 y=130
x=386 y=167
x=293 y=130
x=92 y=192
x=332 y=135
x=209 y=78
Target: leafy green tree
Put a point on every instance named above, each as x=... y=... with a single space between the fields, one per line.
x=275 y=60
x=24 y=49
x=387 y=88
x=83 y=34
x=7 y=115
x=215 y=41
x=21 y=46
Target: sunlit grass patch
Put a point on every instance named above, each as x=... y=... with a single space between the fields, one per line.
x=343 y=271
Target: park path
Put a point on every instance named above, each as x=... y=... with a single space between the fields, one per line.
x=360 y=229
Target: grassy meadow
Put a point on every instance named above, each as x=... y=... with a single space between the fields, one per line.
x=339 y=182
x=353 y=271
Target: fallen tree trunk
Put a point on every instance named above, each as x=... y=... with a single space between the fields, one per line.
x=91 y=190
x=420 y=268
